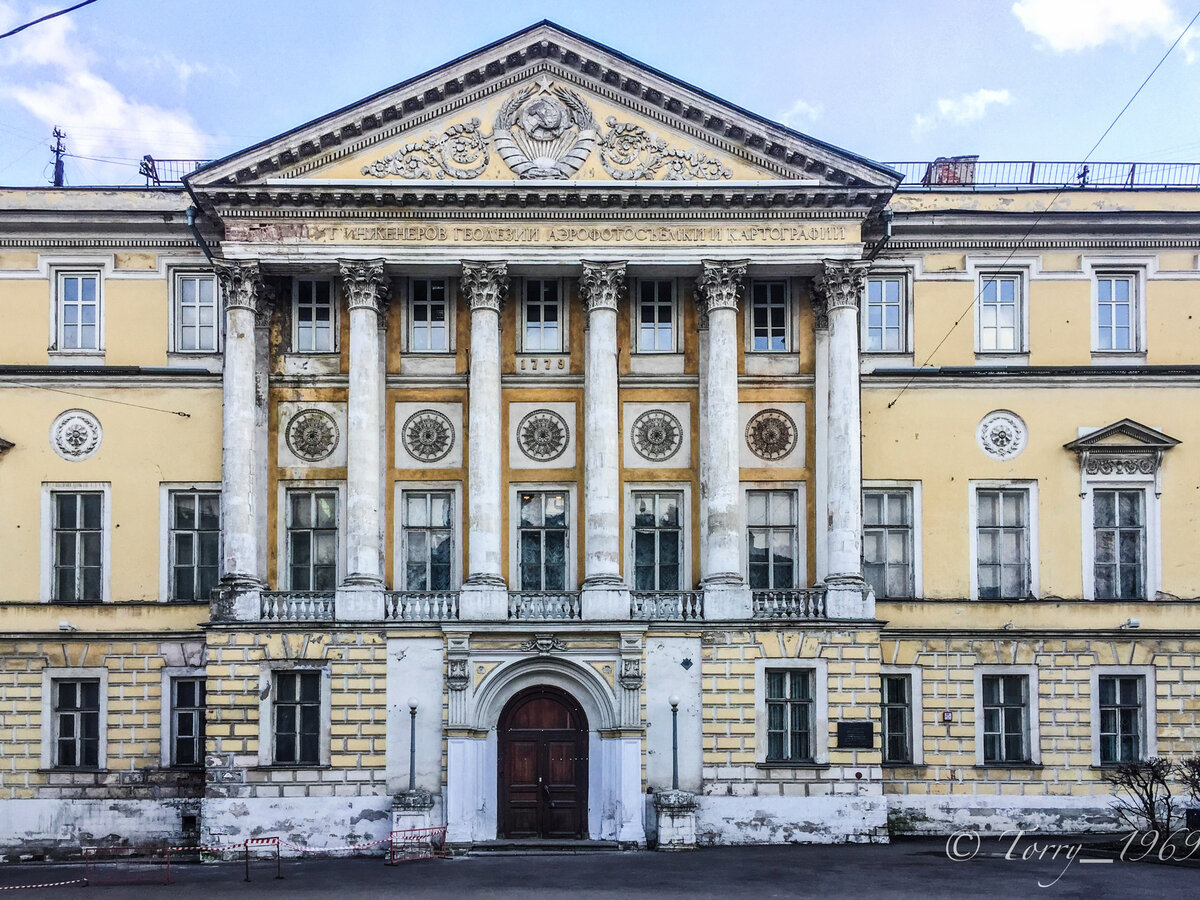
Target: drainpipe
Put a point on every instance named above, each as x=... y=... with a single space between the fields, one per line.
x=195 y=230
x=887 y=216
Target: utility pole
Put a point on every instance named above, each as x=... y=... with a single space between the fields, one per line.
x=59 y=149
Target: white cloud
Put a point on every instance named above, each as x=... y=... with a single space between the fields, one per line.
x=801 y=111
x=1073 y=25
x=961 y=110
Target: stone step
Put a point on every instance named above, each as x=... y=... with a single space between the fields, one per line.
x=540 y=846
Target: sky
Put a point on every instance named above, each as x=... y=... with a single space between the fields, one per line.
x=892 y=80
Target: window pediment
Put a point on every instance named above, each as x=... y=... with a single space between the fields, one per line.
x=1123 y=448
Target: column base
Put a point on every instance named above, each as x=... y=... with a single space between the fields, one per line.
x=727 y=600
x=676 y=812
x=483 y=600
x=237 y=599
x=604 y=600
x=412 y=809
x=848 y=597
x=359 y=602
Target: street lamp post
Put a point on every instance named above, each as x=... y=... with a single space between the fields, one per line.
x=412 y=743
x=674 y=701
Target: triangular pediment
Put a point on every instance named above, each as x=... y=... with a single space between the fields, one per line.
x=546 y=104
x=1122 y=437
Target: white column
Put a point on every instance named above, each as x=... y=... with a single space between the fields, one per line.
x=841 y=286
x=240 y=491
x=820 y=433
x=726 y=596
x=366 y=288
x=605 y=596
x=484 y=594
x=702 y=420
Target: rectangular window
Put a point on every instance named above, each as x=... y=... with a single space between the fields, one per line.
x=314 y=312
x=1000 y=326
x=312 y=540
x=76 y=723
x=1116 y=313
x=1005 y=719
x=78 y=546
x=187 y=721
x=888 y=542
x=428 y=316
x=195 y=543
x=789 y=715
x=656 y=317
x=768 y=316
x=1121 y=716
x=78 y=311
x=897 y=719
x=657 y=541
x=1002 y=543
x=428 y=540
x=197 y=322
x=543 y=316
x=884 y=328
x=542 y=540
x=297 y=718
x=772 y=534
x=1119 y=527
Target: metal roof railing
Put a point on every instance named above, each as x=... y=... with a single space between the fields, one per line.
x=167 y=171
x=969 y=172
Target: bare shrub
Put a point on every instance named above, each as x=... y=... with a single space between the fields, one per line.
x=1143 y=794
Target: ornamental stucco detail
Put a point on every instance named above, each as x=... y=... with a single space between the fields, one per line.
x=76 y=435
x=721 y=283
x=543 y=435
x=428 y=435
x=657 y=435
x=461 y=151
x=1002 y=434
x=312 y=435
x=484 y=284
x=364 y=283
x=771 y=434
x=629 y=152
x=241 y=284
x=602 y=284
x=544 y=132
x=840 y=284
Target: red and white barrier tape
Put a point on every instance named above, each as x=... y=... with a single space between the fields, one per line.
x=26 y=887
x=306 y=849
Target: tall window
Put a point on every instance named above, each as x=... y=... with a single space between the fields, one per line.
x=883 y=319
x=1119 y=528
x=78 y=546
x=196 y=320
x=656 y=317
x=1116 y=313
x=195 y=537
x=312 y=540
x=789 y=715
x=771 y=520
x=1005 y=718
x=768 y=315
x=428 y=319
x=428 y=540
x=78 y=311
x=314 y=313
x=76 y=723
x=657 y=541
x=542 y=540
x=1000 y=327
x=543 y=319
x=1121 y=713
x=888 y=542
x=297 y=718
x=897 y=719
x=187 y=721
x=1002 y=536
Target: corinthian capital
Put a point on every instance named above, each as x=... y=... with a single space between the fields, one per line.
x=364 y=283
x=485 y=284
x=841 y=284
x=721 y=283
x=241 y=284
x=602 y=284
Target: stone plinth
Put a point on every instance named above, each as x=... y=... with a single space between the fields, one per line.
x=411 y=809
x=676 y=812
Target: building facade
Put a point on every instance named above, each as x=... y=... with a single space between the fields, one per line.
x=545 y=448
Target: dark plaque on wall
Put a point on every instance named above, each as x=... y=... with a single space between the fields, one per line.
x=855 y=735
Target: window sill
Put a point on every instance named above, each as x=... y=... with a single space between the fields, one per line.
x=783 y=764
x=76 y=358
x=772 y=362
x=1014 y=765
x=1001 y=358
x=1118 y=357
x=291 y=767
x=195 y=359
x=65 y=770
x=870 y=360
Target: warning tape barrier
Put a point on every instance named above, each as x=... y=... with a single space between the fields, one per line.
x=47 y=884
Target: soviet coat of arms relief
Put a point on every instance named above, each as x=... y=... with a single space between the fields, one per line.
x=547 y=131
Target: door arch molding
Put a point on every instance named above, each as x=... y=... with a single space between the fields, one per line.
x=582 y=683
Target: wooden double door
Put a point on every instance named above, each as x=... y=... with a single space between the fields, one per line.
x=543 y=766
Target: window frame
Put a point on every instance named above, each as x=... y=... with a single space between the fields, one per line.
x=266 y=713
x=58 y=274
x=171 y=674
x=564 y=341
x=635 y=317
x=403 y=529
x=1152 y=541
x=1032 y=735
x=1139 y=269
x=1149 y=708
x=1021 y=279
x=409 y=319
x=820 y=711
x=166 y=546
x=916 y=547
x=456 y=527
x=798 y=491
x=49 y=722
x=789 y=313
x=570 y=488
x=905 y=279
x=177 y=275
x=684 y=489
x=916 y=714
x=49 y=489
x=684 y=512
x=283 y=575
x=334 y=316
x=1033 y=557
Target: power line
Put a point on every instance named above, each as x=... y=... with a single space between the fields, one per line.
x=970 y=306
x=42 y=387
x=53 y=15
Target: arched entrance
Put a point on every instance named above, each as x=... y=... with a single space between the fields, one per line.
x=542 y=765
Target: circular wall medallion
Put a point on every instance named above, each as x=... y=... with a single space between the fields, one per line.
x=543 y=435
x=428 y=435
x=771 y=434
x=1002 y=434
x=312 y=435
x=75 y=435
x=657 y=435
